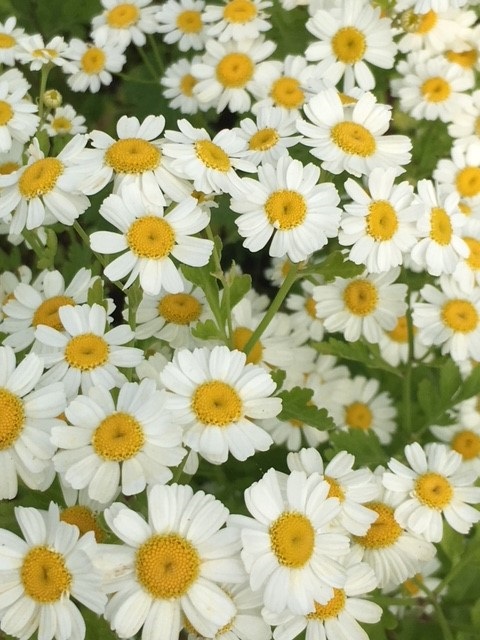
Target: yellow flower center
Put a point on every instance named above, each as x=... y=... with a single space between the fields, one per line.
x=240 y=11
x=40 y=178
x=6 y=41
x=263 y=140
x=6 y=113
x=466 y=59
x=180 y=308
x=440 y=226
x=335 y=490
x=360 y=297
x=433 y=490
x=349 y=45
x=411 y=587
x=133 y=155
x=435 y=89
x=93 y=61
x=241 y=336
x=118 y=437
x=167 y=566
x=49 y=54
x=382 y=533
x=311 y=307
x=47 y=312
x=467 y=182
x=186 y=85
x=62 y=125
x=473 y=259
x=44 y=575
x=234 y=70
x=467 y=444
x=212 y=155
x=123 y=16
x=382 y=221
x=292 y=539
x=286 y=92
x=285 y=209
x=12 y=418
x=353 y=139
x=86 y=352
x=8 y=167
x=358 y=416
x=334 y=606
x=400 y=332
x=216 y=404
x=459 y=316
x=189 y=21
x=151 y=237
x=418 y=23
x=346 y=99
x=83 y=518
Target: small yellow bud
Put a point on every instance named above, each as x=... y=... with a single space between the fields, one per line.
x=52 y=99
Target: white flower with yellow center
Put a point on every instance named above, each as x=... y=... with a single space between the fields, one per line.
x=229 y=71
x=18 y=116
x=288 y=551
x=42 y=572
x=431 y=88
x=464 y=438
x=434 y=485
x=9 y=36
x=434 y=31
x=288 y=206
x=465 y=122
x=394 y=345
x=32 y=305
x=361 y=306
x=122 y=22
x=360 y=405
x=46 y=190
x=237 y=19
x=210 y=164
x=217 y=398
x=450 y=318
x=304 y=316
x=440 y=246
x=64 y=121
x=349 y=37
x=149 y=239
x=135 y=158
x=461 y=173
x=94 y=64
x=27 y=416
x=352 y=139
x=378 y=225
x=467 y=271
x=123 y=445
x=170 y=568
x=34 y=51
x=86 y=353
x=182 y=23
x=11 y=160
x=179 y=82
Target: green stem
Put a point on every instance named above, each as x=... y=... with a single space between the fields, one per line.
x=272 y=310
x=442 y=620
x=156 y=53
x=407 y=379
x=148 y=64
x=179 y=471
x=43 y=87
x=34 y=242
x=226 y=286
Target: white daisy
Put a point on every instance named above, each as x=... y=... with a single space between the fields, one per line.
x=349 y=37
x=34 y=51
x=125 y=444
x=434 y=485
x=465 y=122
x=86 y=353
x=82 y=512
x=27 y=416
x=463 y=436
x=434 y=31
x=170 y=568
x=41 y=573
x=64 y=121
x=9 y=37
x=179 y=82
x=352 y=139
x=182 y=22
x=394 y=345
x=18 y=116
x=121 y=22
x=288 y=551
x=150 y=238
x=289 y=206
x=304 y=315
x=94 y=64
x=237 y=19
x=461 y=172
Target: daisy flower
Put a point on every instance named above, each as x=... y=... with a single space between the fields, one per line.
x=34 y=51
x=394 y=345
x=46 y=190
x=217 y=397
x=126 y=445
x=439 y=228
x=121 y=22
x=434 y=31
x=351 y=139
x=304 y=315
x=94 y=64
x=229 y=70
x=434 y=485
x=9 y=37
x=85 y=354
x=170 y=567
x=467 y=271
x=34 y=304
x=27 y=416
x=461 y=173
x=135 y=158
x=12 y=160
x=349 y=37
x=64 y=121
x=210 y=163
x=82 y=512
x=465 y=122
x=179 y=82
x=237 y=19
x=18 y=116
x=287 y=205
x=42 y=572
x=288 y=551
x=182 y=23
x=361 y=306
x=463 y=436
x=378 y=224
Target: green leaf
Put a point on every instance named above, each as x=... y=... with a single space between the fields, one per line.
x=367 y=354
x=96 y=293
x=450 y=379
x=278 y=376
x=365 y=446
x=296 y=405
x=239 y=287
x=206 y=331
x=470 y=387
x=335 y=265
x=50 y=251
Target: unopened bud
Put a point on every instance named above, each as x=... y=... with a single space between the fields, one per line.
x=52 y=99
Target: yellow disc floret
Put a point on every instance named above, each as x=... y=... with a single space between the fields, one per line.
x=382 y=221
x=459 y=316
x=40 y=178
x=180 y=308
x=331 y=609
x=467 y=182
x=286 y=92
x=86 y=352
x=358 y=416
x=189 y=21
x=433 y=490
x=83 y=518
x=435 y=89
x=360 y=297
x=263 y=140
x=467 y=444
x=349 y=45
x=118 y=437
x=216 y=404
x=285 y=209
x=234 y=70
x=382 y=533
x=151 y=237
x=241 y=336
x=292 y=539
x=47 y=312
x=440 y=226
x=93 y=61
x=240 y=11
x=353 y=139
x=123 y=16
x=44 y=575
x=212 y=155
x=133 y=155
x=6 y=113
x=12 y=418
